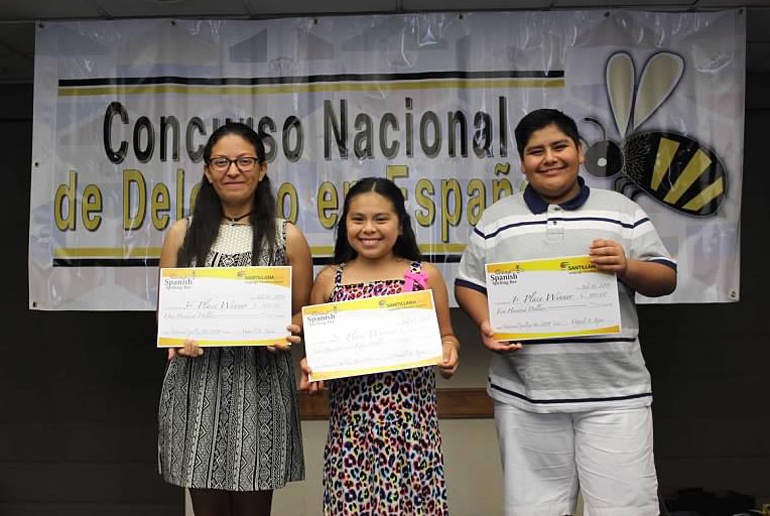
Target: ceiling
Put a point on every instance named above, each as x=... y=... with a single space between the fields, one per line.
x=17 y=17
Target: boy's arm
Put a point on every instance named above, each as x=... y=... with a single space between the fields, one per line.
x=470 y=290
x=651 y=279
x=474 y=303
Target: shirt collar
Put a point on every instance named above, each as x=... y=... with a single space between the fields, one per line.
x=537 y=205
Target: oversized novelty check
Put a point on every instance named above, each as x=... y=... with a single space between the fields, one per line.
x=228 y=306
x=559 y=297
x=372 y=335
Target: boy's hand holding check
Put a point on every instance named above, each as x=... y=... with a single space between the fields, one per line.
x=608 y=256
x=646 y=277
x=493 y=344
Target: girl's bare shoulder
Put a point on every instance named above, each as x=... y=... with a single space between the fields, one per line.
x=326 y=275
x=434 y=275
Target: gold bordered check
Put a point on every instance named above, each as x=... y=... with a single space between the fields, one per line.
x=229 y=306
x=372 y=335
x=558 y=297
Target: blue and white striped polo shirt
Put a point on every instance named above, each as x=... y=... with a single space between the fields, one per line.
x=570 y=374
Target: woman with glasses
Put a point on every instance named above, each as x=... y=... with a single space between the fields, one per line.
x=229 y=425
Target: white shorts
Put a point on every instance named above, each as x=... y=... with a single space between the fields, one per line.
x=607 y=454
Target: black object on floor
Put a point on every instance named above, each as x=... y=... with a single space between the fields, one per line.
x=705 y=503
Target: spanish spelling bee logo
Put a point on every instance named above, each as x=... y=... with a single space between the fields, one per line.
x=674 y=169
x=178 y=283
x=323 y=318
x=504 y=278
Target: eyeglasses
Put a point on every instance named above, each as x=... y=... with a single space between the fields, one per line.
x=243 y=163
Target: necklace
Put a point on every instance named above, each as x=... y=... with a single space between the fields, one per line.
x=233 y=220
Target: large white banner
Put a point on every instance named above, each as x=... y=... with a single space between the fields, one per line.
x=123 y=109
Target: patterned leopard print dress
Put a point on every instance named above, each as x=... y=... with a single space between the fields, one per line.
x=383 y=452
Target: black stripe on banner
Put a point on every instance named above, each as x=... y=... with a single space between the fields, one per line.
x=570 y=400
x=322 y=260
x=442 y=258
x=432 y=258
x=309 y=79
x=153 y=262
x=106 y=262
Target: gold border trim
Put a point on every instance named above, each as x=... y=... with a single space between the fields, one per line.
x=609 y=330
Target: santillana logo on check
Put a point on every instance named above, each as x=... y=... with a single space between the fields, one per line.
x=578 y=267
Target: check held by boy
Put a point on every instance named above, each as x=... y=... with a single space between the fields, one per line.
x=559 y=297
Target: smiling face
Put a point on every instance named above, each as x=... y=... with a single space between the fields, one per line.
x=234 y=187
x=372 y=226
x=551 y=161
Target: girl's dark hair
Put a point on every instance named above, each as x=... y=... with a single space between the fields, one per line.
x=539 y=119
x=406 y=243
x=207 y=215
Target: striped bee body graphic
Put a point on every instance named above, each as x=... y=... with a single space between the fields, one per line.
x=672 y=168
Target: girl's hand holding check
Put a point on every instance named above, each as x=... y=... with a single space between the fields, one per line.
x=190 y=349
x=294 y=338
x=487 y=337
x=304 y=383
x=448 y=365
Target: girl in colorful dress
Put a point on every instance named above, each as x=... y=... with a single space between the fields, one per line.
x=383 y=452
x=229 y=424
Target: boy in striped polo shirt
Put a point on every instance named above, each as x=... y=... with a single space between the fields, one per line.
x=574 y=413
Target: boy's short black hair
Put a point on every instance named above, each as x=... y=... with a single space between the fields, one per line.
x=541 y=118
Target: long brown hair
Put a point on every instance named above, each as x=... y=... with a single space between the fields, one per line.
x=207 y=215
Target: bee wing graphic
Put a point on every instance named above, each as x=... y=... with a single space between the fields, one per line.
x=620 y=88
x=659 y=77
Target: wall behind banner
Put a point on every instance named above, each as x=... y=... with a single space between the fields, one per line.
x=79 y=390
